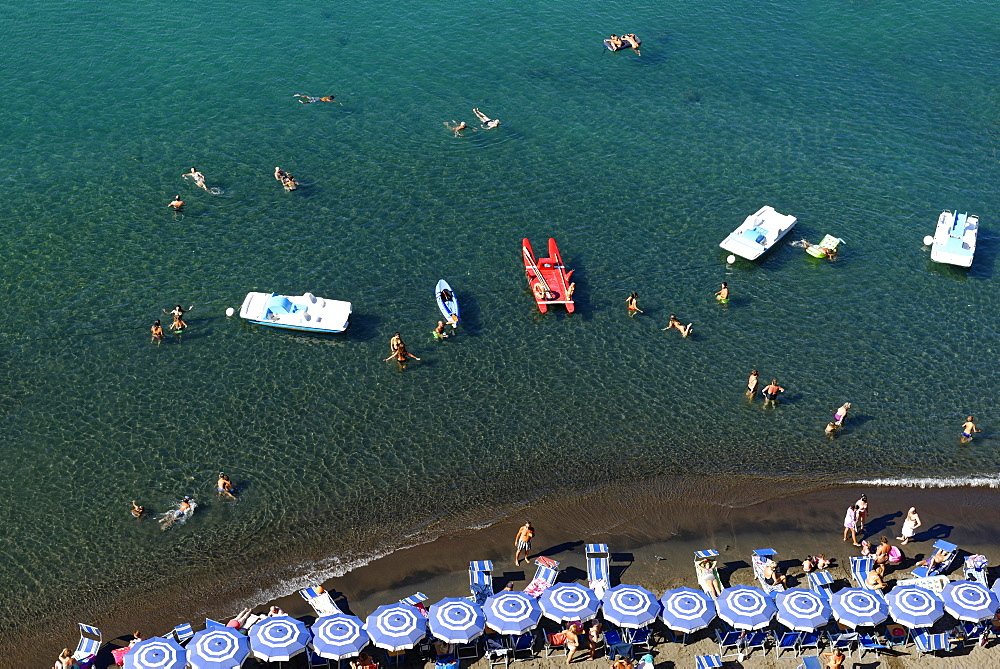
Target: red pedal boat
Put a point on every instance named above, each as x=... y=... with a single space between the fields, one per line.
x=547 y=277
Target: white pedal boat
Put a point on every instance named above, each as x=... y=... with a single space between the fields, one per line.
x=303 y=313
x=954 y=240
x=758 y=233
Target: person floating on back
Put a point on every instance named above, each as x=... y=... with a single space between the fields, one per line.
x=675 y=324
x=199 y=178
x=486 y=121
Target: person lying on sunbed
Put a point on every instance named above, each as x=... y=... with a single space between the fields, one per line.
x=934 y=560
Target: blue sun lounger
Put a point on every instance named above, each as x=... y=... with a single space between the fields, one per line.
x=88 y=646
x=598 y=568
x=545 y=576
x=760 y=558
x=321 y=602
x=941 y=567
x=712 y=555
x=481 y=580
x=182 y=633
x=821 y=582
x=975 y=568
x=417 y=600
x=860 y=568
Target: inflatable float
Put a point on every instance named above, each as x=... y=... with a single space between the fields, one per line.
x=625 y=45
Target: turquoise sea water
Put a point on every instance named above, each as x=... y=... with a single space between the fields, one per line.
x=863 y=119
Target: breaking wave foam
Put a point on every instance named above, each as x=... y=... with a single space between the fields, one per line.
x=989 y=481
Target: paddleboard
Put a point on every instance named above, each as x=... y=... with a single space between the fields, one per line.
x=449 y=308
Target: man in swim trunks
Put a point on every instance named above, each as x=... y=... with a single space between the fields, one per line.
x=723 y=294
x=156 y=331
x=177 y=204
x=632 y=303
x=439 y=332
x=675 y=324
x=968 y=428
x=523 y=542
x=199 y=178
x=306 y=99
x=487 y=122
x=224 y=486
x=632 y=41
x=771 y=392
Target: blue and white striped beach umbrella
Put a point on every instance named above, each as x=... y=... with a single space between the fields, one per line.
x=457 y=620
x=630 y=606
x=687 y=610
x=969 y=600
x=569 y=601
x=802 y=610
x=278 y=638
x=396 y=626
x=855 y=607
x=745 y=608
x=156 y=653
x=217 y=648
x=338 y=636
x=911 y=606
x=511 y=612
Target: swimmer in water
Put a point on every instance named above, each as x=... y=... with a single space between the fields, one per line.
x=752 y=383
x=225 y=486
x=968 y=428
x=771 y=392
x=631 y=303
x=137 y=511
x=156 y=331
x=723 y=295
x=177 y=204
x=395 y=343
x=487 y=122
x=457 y=128
x=199 y=178
x=307 y=99
x=172 y=517
x=439 y=332
x=178 y=314
x=675 y=324
x=401 y=354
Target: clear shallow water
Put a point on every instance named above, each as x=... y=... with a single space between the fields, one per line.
x=864 y=121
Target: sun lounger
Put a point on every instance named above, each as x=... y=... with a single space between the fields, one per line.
x=417 y=600
x=860 y=568
x=760 y=558
x=321 y=602
x=598 y=568
x=941 y=567
x=481 y=580
x=821 y=583
x=755 y=640
x=496 y=652
x=975 y=568
x=90 y=642
x=931 y=643
x=933 y=583
x=867 y=643
x=810 y=663
x=708 y=554
x=182 y=633
x=522 y=647
x=729 y=639
x=788 y=641
x=545 y=576
x=707 y=662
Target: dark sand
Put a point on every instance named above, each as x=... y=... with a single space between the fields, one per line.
x=652 y=534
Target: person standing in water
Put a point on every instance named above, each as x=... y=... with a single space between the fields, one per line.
x=439 y=332
x=401 y=355
x=631 y=303
x=199 y=178
x=841 y=414
x=968 y=428
x=522 y=542
x=771 y=392
x=156 y=331
x=224 y=486
x=177 y=204
x=723 y=295
x=752 y=383
x=178 y=314
x=394 y=343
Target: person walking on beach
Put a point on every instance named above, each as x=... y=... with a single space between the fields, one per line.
x=850 y=524
x=910 y=526
x=177 y=204
x=631 y=303
x=771 y=393
x=723 y=295
x=862 y=505
x=199 y=178
x=752 y=383
x=594 y=637
x=522 y=542
x=572 y=633
x=968 y=428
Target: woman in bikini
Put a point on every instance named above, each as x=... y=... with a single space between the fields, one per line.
x=178 y=314
x=157 y=331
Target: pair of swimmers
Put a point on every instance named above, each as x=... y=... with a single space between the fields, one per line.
x=397 y=350
x=485 y=122
x=286 y=179
x=177 y=327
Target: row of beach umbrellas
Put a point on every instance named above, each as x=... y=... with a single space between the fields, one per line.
x=400 y=626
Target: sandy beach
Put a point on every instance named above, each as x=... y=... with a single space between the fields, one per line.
x=652 y=538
